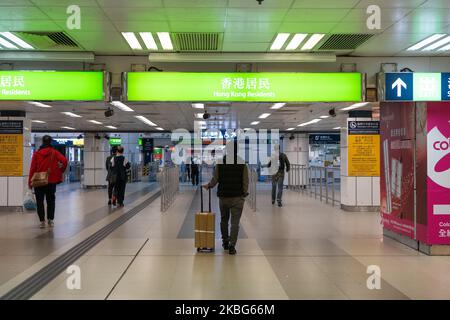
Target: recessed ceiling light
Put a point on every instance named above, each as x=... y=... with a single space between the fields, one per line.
x=278 y=105
x=71 y=114
x=95 y=121
x=446 y=48
x=38 y=121
x=68 y=128
x=437 y=44
x=166 y=42
x=290 y=129
x=356 y=106
x=309 y=122
x=296 y=41
x=264 y=115
x=198 y=105
x=426 y=41
x=122 y=106
x=324 y=117
x=146 y=121
x=38 y=104
x=7 y=44
x=160 y=129
x=16 y=40
x=111 y=127
x=149 y=41
x=279 y=41
x=133 y=42
x=312 y=41
x=254 y=123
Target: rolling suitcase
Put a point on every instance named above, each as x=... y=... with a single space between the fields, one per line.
x=205 y=227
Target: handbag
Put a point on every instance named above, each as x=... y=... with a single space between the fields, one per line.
x=40 y=179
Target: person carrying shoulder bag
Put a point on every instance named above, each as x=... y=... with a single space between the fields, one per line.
x=46 y=171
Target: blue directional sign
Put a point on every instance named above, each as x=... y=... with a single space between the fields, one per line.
x=399 y=86
x=445 y=86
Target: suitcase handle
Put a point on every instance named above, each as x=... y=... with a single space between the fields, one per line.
x=201 y=199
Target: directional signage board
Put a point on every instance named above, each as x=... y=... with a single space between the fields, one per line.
x=408 y=86
x=244 y=87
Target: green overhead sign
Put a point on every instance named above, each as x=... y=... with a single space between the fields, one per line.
x=51 y=85
x=115 y=141
x=247 y=87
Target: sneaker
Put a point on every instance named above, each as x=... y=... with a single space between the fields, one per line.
x=51 y=224
x=109 y=202
x=273 y=201
x=225 y=245
x=279 y=204
x=232 y=250
x=42 y=225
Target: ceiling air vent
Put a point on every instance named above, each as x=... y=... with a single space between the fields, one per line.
x=49 y=40
x=345 y=41
x=197 y=41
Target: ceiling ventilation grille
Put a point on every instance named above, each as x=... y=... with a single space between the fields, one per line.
x=345 y=41
x=49 y=40
x=198 y=41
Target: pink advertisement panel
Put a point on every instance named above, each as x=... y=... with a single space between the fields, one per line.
x=397 y=167
x=438 y=172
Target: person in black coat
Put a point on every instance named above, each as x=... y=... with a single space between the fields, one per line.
x=120 y=165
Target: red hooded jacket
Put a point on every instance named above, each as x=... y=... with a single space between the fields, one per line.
x=42 y=161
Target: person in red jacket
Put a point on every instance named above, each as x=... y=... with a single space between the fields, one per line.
x=47 y=158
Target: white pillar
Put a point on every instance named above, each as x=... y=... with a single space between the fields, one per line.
x=357 y=193
x=13 y=188
x=95 y=153
x=297 y=150
x=130 y=142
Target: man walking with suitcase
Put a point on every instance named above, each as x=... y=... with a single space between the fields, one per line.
x=232 y=178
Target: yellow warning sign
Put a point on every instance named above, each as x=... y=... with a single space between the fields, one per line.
x=11 y=149
x=364 y=155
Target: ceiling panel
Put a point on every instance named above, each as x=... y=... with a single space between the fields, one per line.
x=196 y=14
x=415 y=27
x=64 y=3
x=22 y=13
x=266 y=4
x=248 y=37
x=387 y=15
x=99 y=26
x=87 y=13
x=316 y=15
x=325 y=3
x=262 y=15
x=436 y=4
x=239 y=26
x=357 y=27
x=138 y=14
x=196 y=3
x=307 y=27
x=391 y=3
x=140 y=26
x=245 y=47
x=426 y=15
x=14 y=3
x=28 y=25
x=130 y=3
x=205 y=26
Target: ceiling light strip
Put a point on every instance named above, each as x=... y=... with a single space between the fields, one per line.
x=313 y=41
x=296 y=41
x=164 y=39
x=437 y=44
x=132 y=40
x=149 y=41
x=279 y=41
x=7 y=44
x=146 y=121
x=426 y=41
x=16 y=40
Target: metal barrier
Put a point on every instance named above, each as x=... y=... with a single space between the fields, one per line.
x=319 y=182
x=168 y=179
x=252 y=182
x=133 y=173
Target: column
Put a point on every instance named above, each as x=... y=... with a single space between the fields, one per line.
x=297 y=150
x=96 y=150
x=130 y=142
x=14 y=185
x=357 y=193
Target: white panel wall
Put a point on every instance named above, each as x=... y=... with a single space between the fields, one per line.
x=95 y=153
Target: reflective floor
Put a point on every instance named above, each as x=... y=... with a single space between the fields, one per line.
x=304 y=250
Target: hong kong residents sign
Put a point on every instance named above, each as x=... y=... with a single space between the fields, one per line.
x=51 y=85
x=244 y=87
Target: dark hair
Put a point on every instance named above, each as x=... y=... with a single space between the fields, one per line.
x=114 y=149
x=120 y=149
x=47 y=140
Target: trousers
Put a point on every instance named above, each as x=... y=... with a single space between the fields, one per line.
x=230 y=209
x=45 y=193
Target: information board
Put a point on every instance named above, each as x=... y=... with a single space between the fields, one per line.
x=11 y=148
x=363 y=148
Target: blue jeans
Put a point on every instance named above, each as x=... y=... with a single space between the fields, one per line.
x=277 y=184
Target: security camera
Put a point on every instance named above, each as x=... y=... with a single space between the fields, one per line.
x=206 y=115
x=97 y=136
x=260 y=1
x=80 y=136
x=291 y=137
x=332 y=112
x=109 y=113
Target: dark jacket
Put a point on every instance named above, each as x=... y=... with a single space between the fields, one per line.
x=120 y=165
x=284 y=164
x=108 y=166
x=232 y=180
x=48 y=158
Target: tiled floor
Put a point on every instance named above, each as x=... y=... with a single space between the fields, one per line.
x=305 y=250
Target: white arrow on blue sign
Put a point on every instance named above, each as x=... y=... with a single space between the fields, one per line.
x=399 y=86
